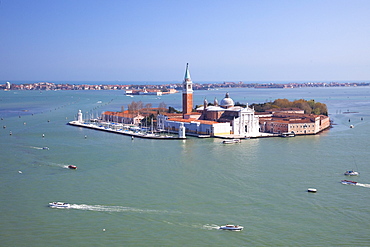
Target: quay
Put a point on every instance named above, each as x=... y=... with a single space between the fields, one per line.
x=125 y=132
x=159 y=137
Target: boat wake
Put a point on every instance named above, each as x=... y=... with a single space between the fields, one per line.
x=103 y=208
x=211 y=227
x=363 y=185
x=39 y=148
x=35 y=147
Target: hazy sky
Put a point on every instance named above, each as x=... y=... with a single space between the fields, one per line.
x=152 y=40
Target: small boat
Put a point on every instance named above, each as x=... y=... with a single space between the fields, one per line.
x=348 y=182
x=312 y=190
x=288 y=134
x=351 y=126
x=59 y=205
x=72 y=167
x=351 y=173
x=45 y=148
x=231 y=227
x=231 y=141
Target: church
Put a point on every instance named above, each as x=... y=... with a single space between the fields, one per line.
x=218 y=120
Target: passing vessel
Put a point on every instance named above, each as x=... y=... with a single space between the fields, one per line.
x=59 y=205
x=351 y=173
x=312 y=190
x=72 y=167
x=288 y=134
x=231 y=227
x=231 y=141
x=348 y=182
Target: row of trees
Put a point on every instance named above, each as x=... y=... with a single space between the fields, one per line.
x=138 y=106
x=309 y=106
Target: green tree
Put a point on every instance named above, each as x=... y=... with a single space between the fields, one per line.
x=321 y=109
x=303 y=105
x=283 y=103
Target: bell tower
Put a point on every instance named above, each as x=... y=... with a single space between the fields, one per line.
x=187 y=93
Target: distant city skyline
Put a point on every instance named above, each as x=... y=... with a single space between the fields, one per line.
x=151 y=41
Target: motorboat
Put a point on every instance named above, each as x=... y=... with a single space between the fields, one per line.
x=45 y=148
x=288 y=134
x=72 y=167
x=351 y=173
x=312 y=190
x=231 y=141
x=59 y=205
x=348 y=182
x=231 y=227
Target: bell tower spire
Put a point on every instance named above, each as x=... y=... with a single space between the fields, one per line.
x=187 y=93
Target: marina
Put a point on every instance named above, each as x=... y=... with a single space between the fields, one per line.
x=126 y=131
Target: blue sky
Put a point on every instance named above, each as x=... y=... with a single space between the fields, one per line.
x=143 y=40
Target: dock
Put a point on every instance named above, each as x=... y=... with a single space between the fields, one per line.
x=124 y=132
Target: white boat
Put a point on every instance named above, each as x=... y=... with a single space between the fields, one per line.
x=231 y=141
x=312 y=190
x=351 y=173
x=348 y=182
x=288 y=134
x=231 y=227
x=59 y=205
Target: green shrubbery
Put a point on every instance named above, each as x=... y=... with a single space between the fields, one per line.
x=309 y=107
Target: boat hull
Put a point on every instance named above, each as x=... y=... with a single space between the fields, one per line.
x=59 y=205
x=231 y=141
x=231 y=228
x=348 y=182
x=351 y=173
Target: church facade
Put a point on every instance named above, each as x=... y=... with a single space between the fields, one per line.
x=242 y=120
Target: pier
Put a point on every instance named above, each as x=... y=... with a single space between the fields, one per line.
x=124 y=131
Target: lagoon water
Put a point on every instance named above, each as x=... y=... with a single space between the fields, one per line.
x=175 y=193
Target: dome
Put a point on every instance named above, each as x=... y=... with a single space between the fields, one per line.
x=227 y=101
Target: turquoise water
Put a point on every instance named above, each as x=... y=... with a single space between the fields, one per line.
x=175 y=193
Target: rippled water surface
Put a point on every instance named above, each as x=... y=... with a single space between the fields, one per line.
x=176 y=193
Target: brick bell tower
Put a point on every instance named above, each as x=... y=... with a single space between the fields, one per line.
x=187 y=93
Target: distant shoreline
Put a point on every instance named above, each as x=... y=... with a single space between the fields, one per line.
x=176 y=86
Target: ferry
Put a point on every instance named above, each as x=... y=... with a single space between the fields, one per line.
x=59 y=205
x=348 y=182
x=231 y=227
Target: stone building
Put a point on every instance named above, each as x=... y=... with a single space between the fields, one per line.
x=299 y=124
